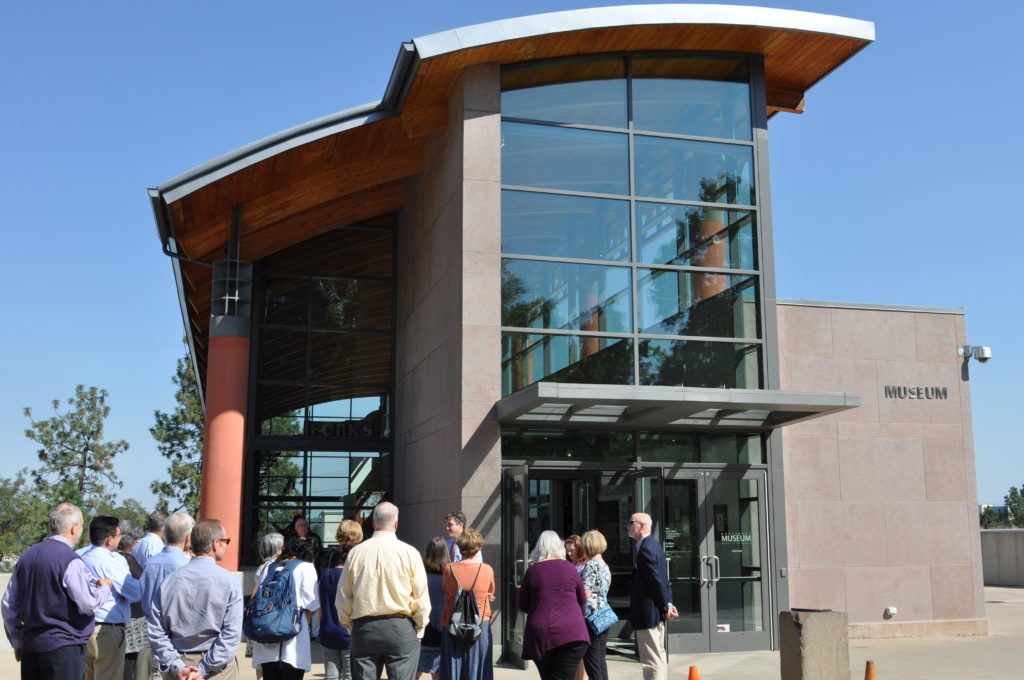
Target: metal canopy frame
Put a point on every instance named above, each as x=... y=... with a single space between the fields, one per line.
x=666 y=408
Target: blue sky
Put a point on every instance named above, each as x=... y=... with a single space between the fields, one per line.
x=887 y=190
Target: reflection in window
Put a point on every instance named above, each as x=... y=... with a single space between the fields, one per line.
x=693 y=363
x=561 y=158
x=587 y=92
x=673 y=134
x=527 y=358
x=568 y=445
x=324 y=486
x=323 y=361
x=688 y=235
x=556 y=225
x=682 y=447
x=685 y=170
x=704 y=97
x=584 y=297
x=697 y=303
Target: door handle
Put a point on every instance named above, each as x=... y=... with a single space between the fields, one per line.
x=516 y=578
x=703 y=569
x=668 y=568
x=717 y=573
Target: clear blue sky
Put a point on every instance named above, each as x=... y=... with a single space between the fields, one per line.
x=887 y=190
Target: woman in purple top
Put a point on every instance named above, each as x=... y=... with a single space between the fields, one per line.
x=552 y=596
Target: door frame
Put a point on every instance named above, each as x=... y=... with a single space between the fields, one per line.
x=710 y=639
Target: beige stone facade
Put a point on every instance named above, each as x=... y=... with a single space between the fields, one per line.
x=881 y=501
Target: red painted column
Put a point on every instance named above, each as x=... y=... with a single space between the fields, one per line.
x=227 y=393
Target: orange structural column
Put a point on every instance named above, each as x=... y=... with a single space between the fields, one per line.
x=227 y=390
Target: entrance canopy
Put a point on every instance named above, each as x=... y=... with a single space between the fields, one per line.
x=667 y=408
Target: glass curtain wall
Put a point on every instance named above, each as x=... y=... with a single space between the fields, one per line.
x=322 y=381
x=629 y=223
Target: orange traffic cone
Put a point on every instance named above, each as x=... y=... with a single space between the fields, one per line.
x=694 y=673
x=869 y=671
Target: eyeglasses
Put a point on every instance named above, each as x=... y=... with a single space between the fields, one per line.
x=225 y=541
x=633 y=521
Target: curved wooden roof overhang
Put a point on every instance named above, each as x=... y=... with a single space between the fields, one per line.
x=352 y=165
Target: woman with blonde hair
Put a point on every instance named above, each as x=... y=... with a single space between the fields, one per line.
x=335 y=640
x=597 y=578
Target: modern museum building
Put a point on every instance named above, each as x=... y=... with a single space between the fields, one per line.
x=535 y=283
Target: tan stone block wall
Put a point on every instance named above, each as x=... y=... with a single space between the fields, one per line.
x=447 y=442
x=881 y=500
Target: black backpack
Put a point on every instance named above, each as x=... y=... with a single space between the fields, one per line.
x=465 y=624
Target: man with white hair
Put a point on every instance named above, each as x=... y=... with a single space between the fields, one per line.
x=177 y=529
x=383 y=599
x=650 y=598
x=51 y=601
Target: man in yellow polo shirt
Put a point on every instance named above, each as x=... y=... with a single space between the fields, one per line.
x=383 y=600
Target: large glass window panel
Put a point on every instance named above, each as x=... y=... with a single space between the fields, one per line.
x=527 y=358
x=679 y=447
x=568 y=445
x=693 y=363
x=353 y=251
x=557 y=225
x=282 y=355
x=696 y=236
x=591 y=92
x=350 y=357
x=281 y=409
x=565 y=295
x=672 y=302
x=354 y=412
x=685 y=170
x=351 y=303
x=286 y=301
x=705 y=97
x=564 y=159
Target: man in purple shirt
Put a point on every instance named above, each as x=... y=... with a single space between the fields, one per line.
x=50 y=603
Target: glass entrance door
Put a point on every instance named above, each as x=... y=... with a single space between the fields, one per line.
x=516 y=508
x=713 y=533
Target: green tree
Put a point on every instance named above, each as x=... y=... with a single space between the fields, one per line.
x=23 y=515
x=180 y=437
x=76 y=465
x=1015 y=506
x=991 y=519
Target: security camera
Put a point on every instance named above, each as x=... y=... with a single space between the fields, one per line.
x=982 y=353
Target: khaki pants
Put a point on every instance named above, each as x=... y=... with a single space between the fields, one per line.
x=650 y=644
x=229 y=672
x=104 y=653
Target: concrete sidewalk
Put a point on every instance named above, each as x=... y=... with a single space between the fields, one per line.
x=996 y=656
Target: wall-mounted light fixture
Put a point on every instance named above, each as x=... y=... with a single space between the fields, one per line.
x=980 y=352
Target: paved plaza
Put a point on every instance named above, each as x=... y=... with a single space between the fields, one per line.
x=996 y=656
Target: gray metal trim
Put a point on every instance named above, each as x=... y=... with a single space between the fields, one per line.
x=639 y=15
x=665 y=407
x=959 y=311
x=229 y=326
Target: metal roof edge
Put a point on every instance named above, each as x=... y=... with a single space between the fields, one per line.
x=467 y=37
x=870 y=306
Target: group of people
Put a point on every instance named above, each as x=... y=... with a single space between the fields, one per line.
x=125 y=604
x=381 y=604
x=567 y=583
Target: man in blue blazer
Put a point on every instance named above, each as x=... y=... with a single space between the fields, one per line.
x=650 y=599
